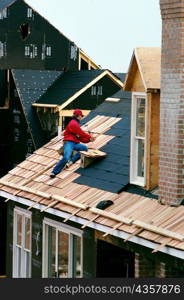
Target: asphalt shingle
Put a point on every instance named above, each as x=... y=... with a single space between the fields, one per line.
x=111 y=173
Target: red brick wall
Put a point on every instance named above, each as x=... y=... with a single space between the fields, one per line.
x=147 y=267
x=150 y=267
x=171 y=163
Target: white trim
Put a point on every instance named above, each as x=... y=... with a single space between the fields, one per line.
x=141 y=181
x=121 y=234
x=64 y=227
x=23 y=211
x=111 y=99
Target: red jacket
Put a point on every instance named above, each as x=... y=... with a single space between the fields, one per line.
x=75 y=134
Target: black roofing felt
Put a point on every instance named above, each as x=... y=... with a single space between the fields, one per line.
x=133 y=189
x=121 y=93
x=31 y=84
x=67 y=85
x=6 y=3
x=112 y=172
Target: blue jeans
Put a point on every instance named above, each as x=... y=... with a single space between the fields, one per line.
x=68 y=148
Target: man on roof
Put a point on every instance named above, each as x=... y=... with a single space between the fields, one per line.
x=73 y=136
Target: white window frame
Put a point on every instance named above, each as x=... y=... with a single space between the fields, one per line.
x=29 y=13
x=134 y=179
x=100 y=90
x=25 y=214
x=48 y=51
x=66 y=229
x=93 y=90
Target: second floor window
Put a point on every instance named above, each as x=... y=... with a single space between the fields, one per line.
x=96 y=90
x=138 y=139
x=93 y=90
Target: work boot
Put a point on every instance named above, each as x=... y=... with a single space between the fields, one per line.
x=68 y=164
x=52 y=175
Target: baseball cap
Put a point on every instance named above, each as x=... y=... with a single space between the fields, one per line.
x=78 y=112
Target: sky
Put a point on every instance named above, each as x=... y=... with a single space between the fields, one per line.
x=106 y=30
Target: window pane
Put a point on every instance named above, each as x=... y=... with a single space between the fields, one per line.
x=19 y=230
x=27 y=233
x=140 y=158
x=140 y=117
x=18 y=250
x=51 y=252
x=63 y=251
x=27 y=264
x=77 y=266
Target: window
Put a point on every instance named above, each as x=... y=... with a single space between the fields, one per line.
x=3 y=14
x=73 y=52
x=29 y=13
x=2 y=49
x=62 y=250
x=31 y=51
x=48 y=50
x=100 y=90
x=93 y=90
x=138 y=136
x=22 y=244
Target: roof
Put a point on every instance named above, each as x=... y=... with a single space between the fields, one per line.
x=133 y=214
x=121 y=93
x=71 y=84
x=112 y=173
x=148 y=61
x=6 y=3
x=67 y=85
x=31 y=84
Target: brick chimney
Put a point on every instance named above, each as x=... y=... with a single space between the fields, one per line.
x=171 y=163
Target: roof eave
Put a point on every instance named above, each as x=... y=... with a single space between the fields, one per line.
x=102 y=228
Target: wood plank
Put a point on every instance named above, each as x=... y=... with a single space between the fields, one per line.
x=112 y=229
x=70 y=202
x=73 y=214
x=69 y=113
x=49 y=205
x=90 y=221
x=159 y=230
x=111 y=215
x=137 y=231
x=35 y=203
x=161 y=246
x=45 y=195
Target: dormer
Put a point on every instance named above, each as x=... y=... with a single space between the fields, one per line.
x=143 y=80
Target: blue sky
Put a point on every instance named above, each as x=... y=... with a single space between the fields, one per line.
x=107 y=30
